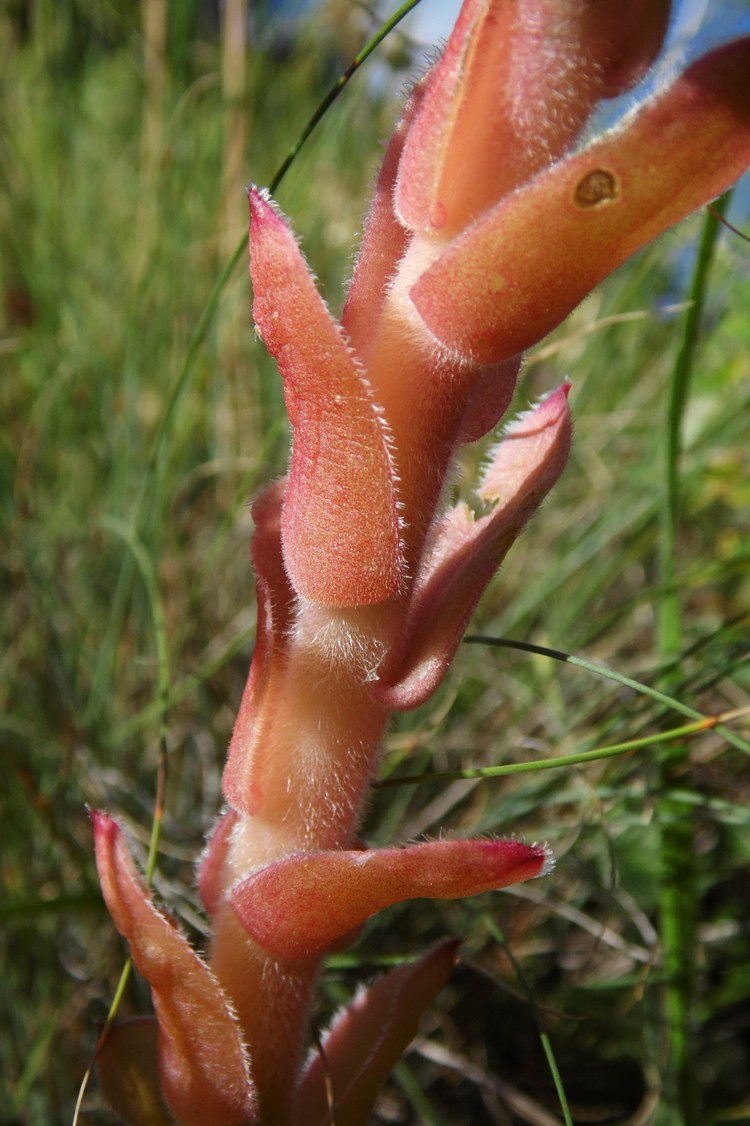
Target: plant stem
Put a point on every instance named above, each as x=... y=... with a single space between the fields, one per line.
x=681 y=1100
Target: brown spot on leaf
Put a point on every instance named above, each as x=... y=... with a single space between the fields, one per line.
x=596 y=188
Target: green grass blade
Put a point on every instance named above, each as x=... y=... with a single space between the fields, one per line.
x=679 y=866
x=147 y=572
x=545 y=1041
x=385 y=30
x=598 y=669
x=614 y=750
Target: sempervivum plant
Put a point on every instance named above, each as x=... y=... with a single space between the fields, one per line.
x=489 y=225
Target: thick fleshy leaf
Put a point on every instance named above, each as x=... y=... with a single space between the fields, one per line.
x=202 y=1062
x=510 y=93
x=467 y=552
x=368 y=1039
x=383 y=243
x=128 y=1069
x=296 y=908
x=517 y=273
x=244 y=773
x=340 y=526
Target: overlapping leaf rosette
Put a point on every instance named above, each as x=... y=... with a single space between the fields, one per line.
x=488 y=226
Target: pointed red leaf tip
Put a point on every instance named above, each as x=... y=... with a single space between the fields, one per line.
x=466 y=553
x=340 y=528
x=511 y=92
x=296 y=908
x=202 y=1062
x=524 y=265
x=368 y=1039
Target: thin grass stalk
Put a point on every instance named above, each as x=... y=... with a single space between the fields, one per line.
x=233 y=221
x=383 y=32
x=154 y=14
x=676 y=816
x=544 y=1038
x=236 y=120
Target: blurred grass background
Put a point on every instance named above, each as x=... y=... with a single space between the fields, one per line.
x=126 y=136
